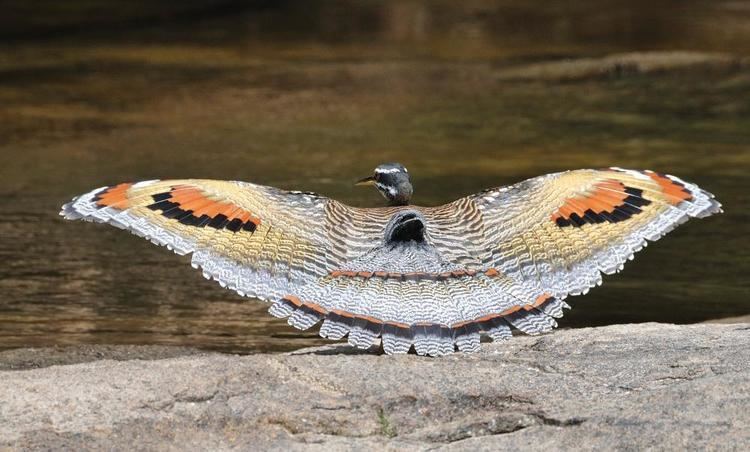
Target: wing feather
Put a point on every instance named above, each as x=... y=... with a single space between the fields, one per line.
x=557 y=233
x=259 y=241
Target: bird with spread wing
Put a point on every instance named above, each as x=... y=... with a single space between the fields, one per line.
x=432 y=278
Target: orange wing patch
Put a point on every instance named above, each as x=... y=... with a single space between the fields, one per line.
x=114 y=196
x=376 y=325
x=608 y=201
x=675 y=191
x=193 y=207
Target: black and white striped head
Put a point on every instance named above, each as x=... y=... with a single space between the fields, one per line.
x=392 y=181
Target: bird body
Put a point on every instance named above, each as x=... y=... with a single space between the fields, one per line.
x=432 y=278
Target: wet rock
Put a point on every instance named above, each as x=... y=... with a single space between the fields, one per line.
x=621 y=65
x=625 y=386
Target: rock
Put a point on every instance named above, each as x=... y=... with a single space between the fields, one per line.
x=30 y=358
x=617 y=387
x=737 y=319
x=621 y=65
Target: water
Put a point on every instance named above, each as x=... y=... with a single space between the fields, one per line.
x=312 y=96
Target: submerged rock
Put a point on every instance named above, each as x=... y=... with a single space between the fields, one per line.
x=624 y=386
x=621 y=65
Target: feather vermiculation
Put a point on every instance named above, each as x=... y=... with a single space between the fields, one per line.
x=432 y=278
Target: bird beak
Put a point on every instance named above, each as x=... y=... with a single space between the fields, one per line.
x=366 y=181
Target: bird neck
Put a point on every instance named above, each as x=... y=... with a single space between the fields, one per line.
x=400 y=195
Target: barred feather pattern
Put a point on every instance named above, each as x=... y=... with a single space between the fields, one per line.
x=502 y=259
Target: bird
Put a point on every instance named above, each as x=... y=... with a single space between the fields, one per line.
x=404 y=277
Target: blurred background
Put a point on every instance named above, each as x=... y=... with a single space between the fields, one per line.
x=312 y=95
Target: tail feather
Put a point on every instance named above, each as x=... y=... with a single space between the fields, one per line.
x=532 y=322
x=303 y=319
x=396 y=340
x=333 y=329
x=467 y=338
x=363 y=334
x=497 y=329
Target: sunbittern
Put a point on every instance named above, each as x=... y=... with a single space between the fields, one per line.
x=433 y=277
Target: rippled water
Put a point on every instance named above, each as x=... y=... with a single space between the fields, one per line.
x=312 y=96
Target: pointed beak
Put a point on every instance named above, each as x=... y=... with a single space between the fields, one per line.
x=366 y=181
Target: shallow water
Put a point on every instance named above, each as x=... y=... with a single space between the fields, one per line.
x=312 y=98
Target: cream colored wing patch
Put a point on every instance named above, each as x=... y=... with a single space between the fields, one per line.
x=259 y=241
x=558 y=233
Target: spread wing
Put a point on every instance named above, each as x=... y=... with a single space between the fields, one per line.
x=259 y=241
x=503 y=257
x=558 y=233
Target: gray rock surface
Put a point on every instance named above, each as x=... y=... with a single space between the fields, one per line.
x=31 y=358
x=619 y=387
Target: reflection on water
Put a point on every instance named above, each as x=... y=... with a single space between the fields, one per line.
x=312 y=95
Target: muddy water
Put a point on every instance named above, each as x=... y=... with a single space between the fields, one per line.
x=312 y=96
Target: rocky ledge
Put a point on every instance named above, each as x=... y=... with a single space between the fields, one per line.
x=622 y=387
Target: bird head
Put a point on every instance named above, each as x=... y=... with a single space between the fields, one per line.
x=392 y=181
